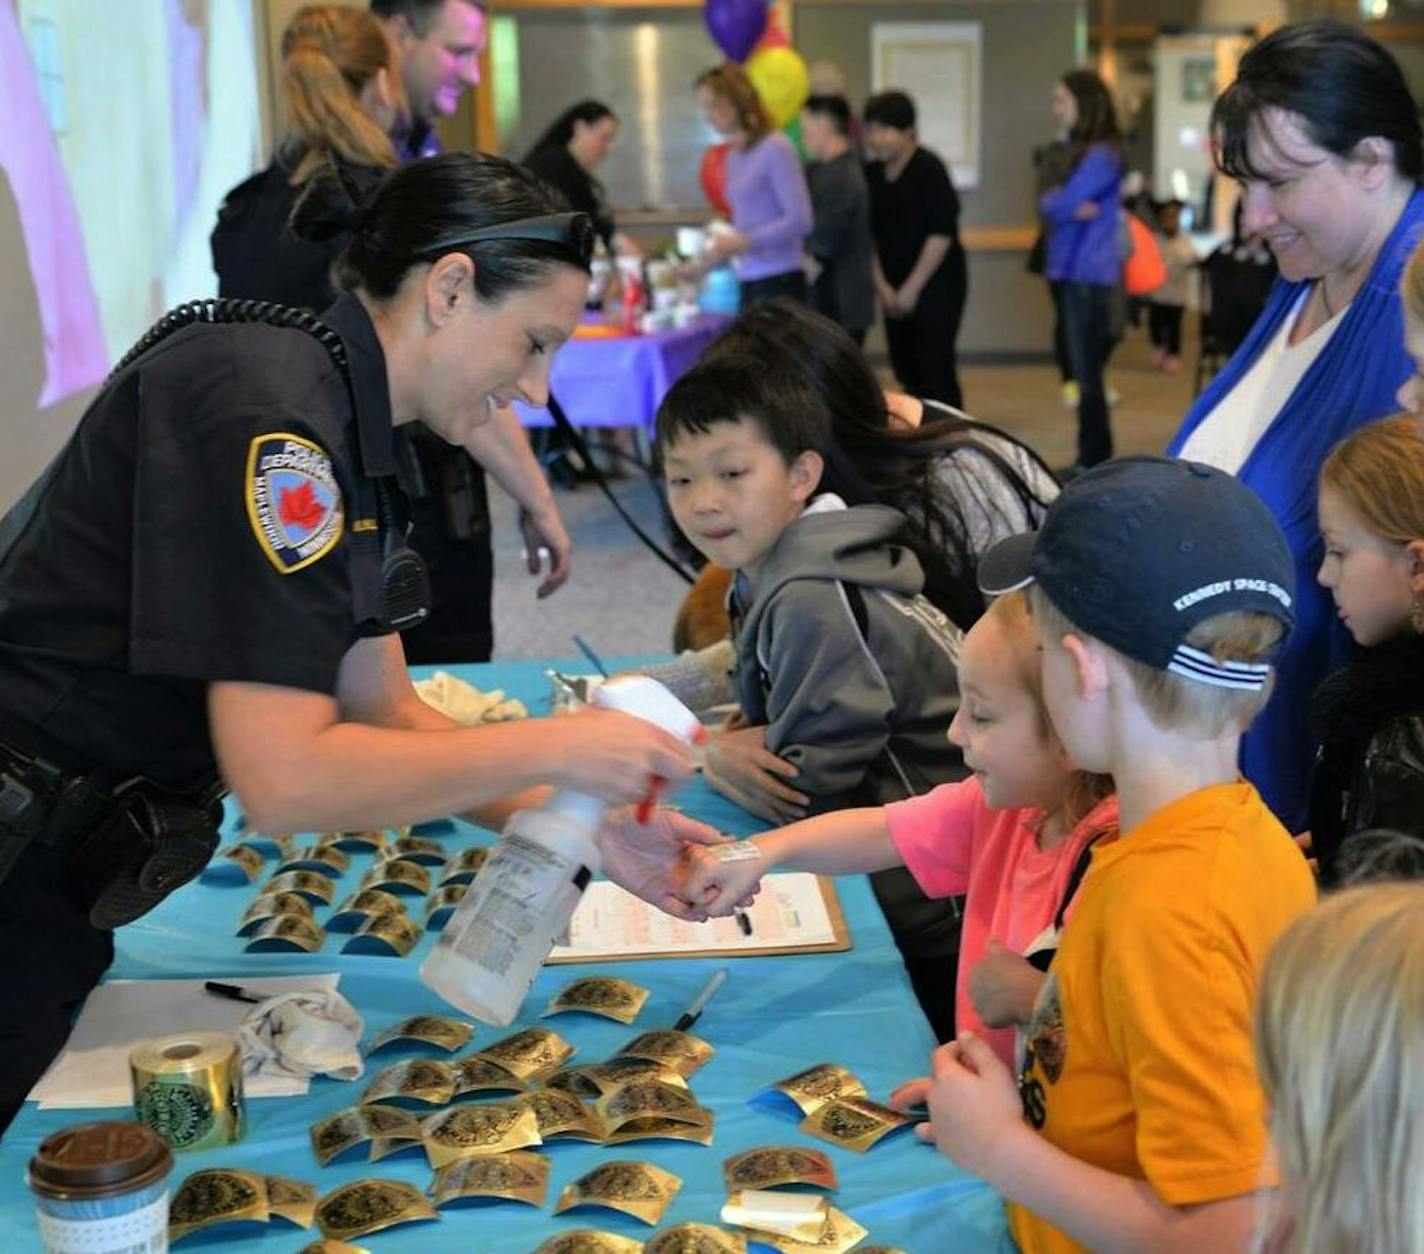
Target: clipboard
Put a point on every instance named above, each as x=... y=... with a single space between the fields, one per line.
x=641 y=931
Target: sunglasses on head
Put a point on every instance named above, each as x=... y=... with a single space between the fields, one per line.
x=573 y=231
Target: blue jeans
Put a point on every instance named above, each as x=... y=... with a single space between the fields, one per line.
x=1087 y=334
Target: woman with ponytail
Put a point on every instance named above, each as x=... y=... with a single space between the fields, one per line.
x=342 y=96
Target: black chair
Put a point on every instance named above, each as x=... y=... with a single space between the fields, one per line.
x=1236 y=279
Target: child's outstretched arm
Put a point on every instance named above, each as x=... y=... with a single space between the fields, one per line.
x=841 y=843
x=976 y=1119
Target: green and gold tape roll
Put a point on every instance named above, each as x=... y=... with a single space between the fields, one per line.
x=188 y=1089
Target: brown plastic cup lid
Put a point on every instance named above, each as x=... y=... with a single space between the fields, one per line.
x=92 y=1160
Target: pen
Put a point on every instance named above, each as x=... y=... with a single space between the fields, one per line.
x=231 y=991
x=587 y=650
x=744 y=921
x=699 y=1003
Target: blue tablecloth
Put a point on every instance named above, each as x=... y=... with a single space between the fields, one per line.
x=774 y=1016
x=620 y=382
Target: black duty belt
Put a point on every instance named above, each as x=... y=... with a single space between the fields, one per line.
x=123 y=845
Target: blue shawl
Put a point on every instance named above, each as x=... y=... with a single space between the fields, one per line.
x=1352 y=382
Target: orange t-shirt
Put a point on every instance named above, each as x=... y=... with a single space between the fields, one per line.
x=1139 y=1052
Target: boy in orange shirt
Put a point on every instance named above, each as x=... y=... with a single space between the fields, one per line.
x=1161 y=590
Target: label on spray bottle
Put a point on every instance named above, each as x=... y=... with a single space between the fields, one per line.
x=528 y=882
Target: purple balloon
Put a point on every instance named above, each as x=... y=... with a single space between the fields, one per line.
x=735 y=25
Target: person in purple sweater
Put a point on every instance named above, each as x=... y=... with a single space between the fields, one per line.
x=766 y=189
x=1083 y=262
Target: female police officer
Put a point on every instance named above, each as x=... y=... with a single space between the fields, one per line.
x=208 y=579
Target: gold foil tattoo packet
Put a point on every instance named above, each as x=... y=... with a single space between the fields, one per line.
x=439 y=1030
x=638 y=1189
x=398 y=875
x=681 y=1051
x=813 y=1088
x=218 y=1195
x=387 y=1128
x=695 y=1238
x=415 y=1080
x=367 y=1206
x=467 y=1131
x=237 y=864
x=518 y=1176
x=600 y=995
x=287 y=932
x=268 y=906
x=854 y=1123
x=312 y=885
x=529 y=1054
x=386 y=934
x=768 y=1166
x=366 y=903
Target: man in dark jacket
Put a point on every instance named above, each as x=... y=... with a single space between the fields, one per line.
x=839 y=243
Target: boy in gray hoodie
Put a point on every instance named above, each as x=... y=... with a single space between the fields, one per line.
x=838 y=653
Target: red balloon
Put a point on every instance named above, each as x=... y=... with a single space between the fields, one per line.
x=714 y=177
x=774 y=37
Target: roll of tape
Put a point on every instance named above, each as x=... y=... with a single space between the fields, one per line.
x=188 y=1089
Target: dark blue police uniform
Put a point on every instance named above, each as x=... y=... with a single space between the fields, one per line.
x=213 y=518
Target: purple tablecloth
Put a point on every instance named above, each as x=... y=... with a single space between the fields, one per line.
x=621 y=382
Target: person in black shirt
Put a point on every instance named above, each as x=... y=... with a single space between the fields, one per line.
x=921 y=275
x=202 y=589
x=566 y=155
x=839 y=243
x=343 y=95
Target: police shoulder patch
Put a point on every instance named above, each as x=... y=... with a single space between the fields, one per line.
x=293 y=499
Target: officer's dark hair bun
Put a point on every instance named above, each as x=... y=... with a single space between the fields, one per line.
x=333 y=202
x=433 y=199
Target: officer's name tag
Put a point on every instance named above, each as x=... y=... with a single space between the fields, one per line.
x=293 y=500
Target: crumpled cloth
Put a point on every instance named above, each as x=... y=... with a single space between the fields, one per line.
x=464 y=703
x=301 y=1035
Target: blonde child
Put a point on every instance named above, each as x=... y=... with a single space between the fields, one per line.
x=1369 y=716
x=1161 y=590
x=1010 y=836
x=1339 y=1043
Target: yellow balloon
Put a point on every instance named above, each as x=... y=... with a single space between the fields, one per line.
x=780 y=78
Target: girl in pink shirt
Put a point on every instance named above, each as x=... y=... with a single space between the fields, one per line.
x=1014 y=836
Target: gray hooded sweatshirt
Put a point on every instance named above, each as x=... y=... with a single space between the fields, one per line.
x=854 y=674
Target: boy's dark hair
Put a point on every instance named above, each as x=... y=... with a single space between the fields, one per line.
x=421 y=14
x=869 y=459
x=837 y=108
x=1346 y=86
x=890 y=108
x=740 y=389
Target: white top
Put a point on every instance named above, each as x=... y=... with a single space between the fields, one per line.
x=1226 y=437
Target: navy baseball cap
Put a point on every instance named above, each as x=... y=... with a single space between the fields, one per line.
x=1138 y=551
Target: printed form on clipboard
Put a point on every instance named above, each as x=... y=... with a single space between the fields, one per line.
x=795 y=912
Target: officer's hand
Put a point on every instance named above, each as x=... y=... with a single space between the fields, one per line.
x=613 y=755
x=650 y=858
x=546 y=536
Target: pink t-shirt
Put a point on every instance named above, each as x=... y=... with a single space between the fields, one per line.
x=953 y=843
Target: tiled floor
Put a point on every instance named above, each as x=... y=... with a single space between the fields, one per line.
x=623 y=601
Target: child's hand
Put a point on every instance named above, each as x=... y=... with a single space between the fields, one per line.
x=974 y=1104
x=911 y=1093
x=1003 y=986
x=716 y=886
x=1306 y=845
x=740 y=767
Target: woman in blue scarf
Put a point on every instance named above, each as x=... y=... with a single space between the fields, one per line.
x=1321 y=132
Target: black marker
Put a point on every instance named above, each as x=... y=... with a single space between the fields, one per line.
x=231 y=991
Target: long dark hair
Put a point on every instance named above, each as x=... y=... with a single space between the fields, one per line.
x=1097 y=115
x=869 y=460
x=434 y=198
x=561 y=129
x=1346 y=86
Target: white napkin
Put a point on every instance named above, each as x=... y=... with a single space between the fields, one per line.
x=466 y=704
x=313 y=1032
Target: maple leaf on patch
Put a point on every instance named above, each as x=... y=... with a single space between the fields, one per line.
x=299 y=507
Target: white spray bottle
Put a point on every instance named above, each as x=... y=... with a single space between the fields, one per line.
x=495 y=943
